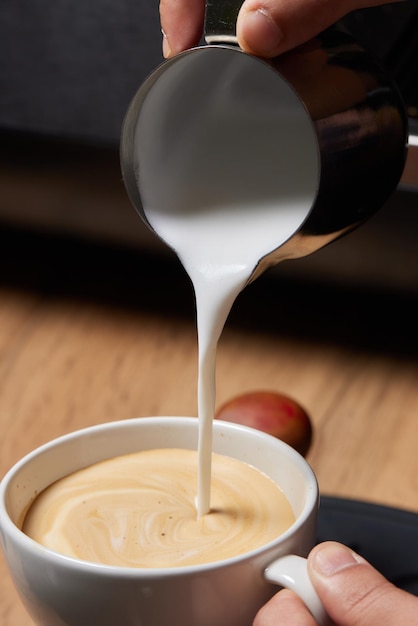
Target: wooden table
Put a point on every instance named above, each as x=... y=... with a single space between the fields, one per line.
x=90 y=334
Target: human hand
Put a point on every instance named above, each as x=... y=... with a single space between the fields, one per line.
x=264 y=27
x=351 y=590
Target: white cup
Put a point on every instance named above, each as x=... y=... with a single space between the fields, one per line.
x=62 y=591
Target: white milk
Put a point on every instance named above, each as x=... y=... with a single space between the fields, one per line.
x=227 y=170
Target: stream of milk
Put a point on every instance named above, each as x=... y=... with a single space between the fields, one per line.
x=226 y=175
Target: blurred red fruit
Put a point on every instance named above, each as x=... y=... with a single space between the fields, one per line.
x=273 y=413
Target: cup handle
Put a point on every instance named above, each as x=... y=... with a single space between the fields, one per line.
x=291 y=571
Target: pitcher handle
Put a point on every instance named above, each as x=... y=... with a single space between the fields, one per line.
x=221 y=20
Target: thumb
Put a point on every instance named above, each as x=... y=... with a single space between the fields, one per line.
x=269 y=27
x=354 y=593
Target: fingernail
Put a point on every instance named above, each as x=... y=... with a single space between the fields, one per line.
x=260 y=31
x=331 y=559
x=166 y=46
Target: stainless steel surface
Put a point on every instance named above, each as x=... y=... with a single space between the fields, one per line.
x=357 y=113
x=220 y=20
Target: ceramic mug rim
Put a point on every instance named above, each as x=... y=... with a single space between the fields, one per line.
x=10 y=528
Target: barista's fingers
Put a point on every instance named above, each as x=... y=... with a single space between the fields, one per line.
x=269 y=27
x=286 y=609
x=354 y=593
x=181 y=23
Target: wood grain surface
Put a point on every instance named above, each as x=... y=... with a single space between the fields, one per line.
x=90 y=334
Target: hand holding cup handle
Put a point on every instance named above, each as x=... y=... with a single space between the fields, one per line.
x=291 y=571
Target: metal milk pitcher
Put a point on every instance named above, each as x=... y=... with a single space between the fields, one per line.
x=321 y=129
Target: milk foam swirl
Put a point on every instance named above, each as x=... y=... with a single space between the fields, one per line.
x=139 y=511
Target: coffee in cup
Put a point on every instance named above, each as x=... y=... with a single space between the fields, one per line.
x=62 y=590
x=139 y=510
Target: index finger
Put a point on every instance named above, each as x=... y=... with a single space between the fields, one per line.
x=182 y=24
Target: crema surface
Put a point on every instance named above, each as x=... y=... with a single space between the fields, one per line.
x=139 y=510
